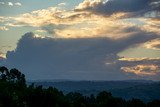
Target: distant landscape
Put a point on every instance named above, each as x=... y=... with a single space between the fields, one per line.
x=127 y=89
x=15 y=92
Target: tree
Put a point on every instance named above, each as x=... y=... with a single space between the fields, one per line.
x=135 y=103
x=17 y=77
x=154 y=103
x=76 y=99
x=4 y=73
x=13 y=75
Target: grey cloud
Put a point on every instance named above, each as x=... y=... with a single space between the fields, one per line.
x=50 y=28
x=134 y=8
x=79 y=59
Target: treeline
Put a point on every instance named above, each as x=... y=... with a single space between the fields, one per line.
x=15 y=93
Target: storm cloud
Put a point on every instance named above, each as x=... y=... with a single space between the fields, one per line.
x=133 y=8
x=77 y=59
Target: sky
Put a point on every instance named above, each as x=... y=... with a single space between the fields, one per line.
x=81 y=39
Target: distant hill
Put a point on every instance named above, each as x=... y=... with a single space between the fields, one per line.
x=144 y=90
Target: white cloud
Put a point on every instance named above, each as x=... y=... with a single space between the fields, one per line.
x=18 y=4
x=89 y=4
x=10 y=4
x=61 y=4
x=40 y=31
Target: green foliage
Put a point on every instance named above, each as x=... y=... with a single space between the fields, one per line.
x=15 y=93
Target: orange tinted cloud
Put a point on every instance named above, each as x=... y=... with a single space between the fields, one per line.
x=142 y=70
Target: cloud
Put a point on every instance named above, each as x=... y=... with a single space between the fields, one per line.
x=51 y=28
x=11 y=3
x=155 y=5
x=2 y=3
x=61 y=22
x=153 y=44
x=38 y=18
x=133 y=8
x=18 y=4
x=82 y=23
x=40 y=31
x=4 y=28
x=61 y=4
x=71 y=24
x=81 y=58
x=2 y=57
x=137 y=59
x=13 y=25
x=1 y=19
x=151 y=25
x=4 y=19
x=142 y=69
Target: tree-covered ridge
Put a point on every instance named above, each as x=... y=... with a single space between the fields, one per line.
x=15 y=93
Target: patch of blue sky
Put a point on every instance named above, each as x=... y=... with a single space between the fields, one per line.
x=140 y=52
x=29 y=6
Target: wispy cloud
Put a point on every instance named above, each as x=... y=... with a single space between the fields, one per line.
x=11 y=3
x=2 y=3
x=18 y=4
x=142 y=70
x=137 y=59
x=4 y=28
x=142 y=67
x=62 y=4
x=153 y=44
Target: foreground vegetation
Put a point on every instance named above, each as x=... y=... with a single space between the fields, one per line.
x=15 y=93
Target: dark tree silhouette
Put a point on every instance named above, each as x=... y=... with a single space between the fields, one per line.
x=15 y=93
x=4 y=73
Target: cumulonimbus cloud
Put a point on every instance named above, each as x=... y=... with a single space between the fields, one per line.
x=83 y=58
